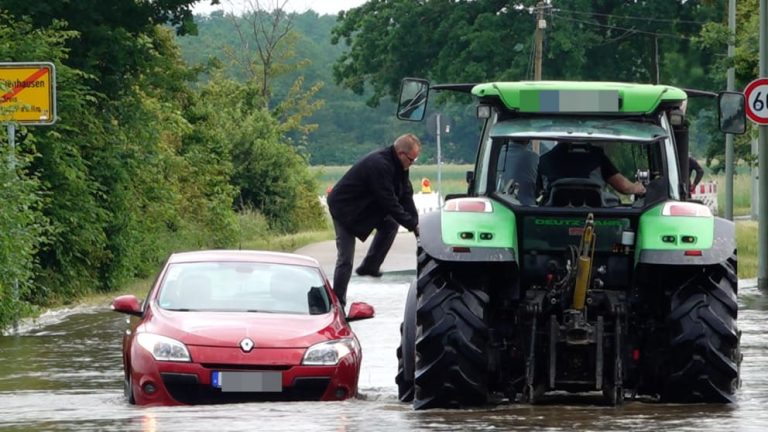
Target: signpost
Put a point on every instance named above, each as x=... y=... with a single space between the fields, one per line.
x=755 y=95
x=437 y=122
x=27 y=97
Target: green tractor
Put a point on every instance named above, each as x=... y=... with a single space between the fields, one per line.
x=542 y=278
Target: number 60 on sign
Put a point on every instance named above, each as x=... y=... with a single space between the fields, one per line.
x=756 y=94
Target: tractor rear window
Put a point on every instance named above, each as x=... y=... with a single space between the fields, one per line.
x=571 y=162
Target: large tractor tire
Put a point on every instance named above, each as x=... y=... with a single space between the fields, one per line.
x=452 y=337
x=403 y=379
x=406 y=355
x=704 y=356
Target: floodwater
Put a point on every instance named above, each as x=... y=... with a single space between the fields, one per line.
x=63 y=372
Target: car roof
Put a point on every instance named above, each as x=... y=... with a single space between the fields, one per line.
x=243 y=256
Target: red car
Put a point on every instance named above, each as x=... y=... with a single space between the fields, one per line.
x=236 y=326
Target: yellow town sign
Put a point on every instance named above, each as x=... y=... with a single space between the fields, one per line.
x=28 y=93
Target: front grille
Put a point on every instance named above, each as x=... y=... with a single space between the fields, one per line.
x=228 y=366
x=186 y=389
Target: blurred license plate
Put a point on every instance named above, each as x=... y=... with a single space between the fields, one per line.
x=236 y=381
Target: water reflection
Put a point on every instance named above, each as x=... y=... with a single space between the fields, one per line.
x=66 y=374
x=148 y=423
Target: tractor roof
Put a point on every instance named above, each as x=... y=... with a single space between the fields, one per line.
x=580 y=96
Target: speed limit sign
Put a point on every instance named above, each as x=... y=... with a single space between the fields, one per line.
x=756 y=94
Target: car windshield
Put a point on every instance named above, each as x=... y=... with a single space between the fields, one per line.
x=244 y=287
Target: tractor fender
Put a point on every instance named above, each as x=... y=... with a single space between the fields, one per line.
x=723 y=246
x=431 y=241
x=409 y=332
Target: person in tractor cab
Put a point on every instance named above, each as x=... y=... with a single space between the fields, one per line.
x=573 y=167
x=375 y=193
x=517 y=171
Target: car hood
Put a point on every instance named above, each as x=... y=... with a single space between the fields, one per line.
x=228 y=329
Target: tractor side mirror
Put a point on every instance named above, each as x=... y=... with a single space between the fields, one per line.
x=731 y=112
x=413 y=99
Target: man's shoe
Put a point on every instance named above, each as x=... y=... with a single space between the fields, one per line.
x=365 y=272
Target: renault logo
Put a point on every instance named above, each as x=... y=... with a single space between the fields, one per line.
x=246 y=345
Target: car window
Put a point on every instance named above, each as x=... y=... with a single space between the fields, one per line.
x=244 y=287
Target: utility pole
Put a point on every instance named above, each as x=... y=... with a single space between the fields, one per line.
x=762 y=225
x=439 y=165
x=538 y=38
x=731 y=85
x=655 y=63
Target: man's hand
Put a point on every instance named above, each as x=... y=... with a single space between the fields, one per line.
x=638 y=189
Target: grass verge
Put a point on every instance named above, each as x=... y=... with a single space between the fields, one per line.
x=746 y=241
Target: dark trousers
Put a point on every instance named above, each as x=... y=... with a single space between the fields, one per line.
x=345 y=253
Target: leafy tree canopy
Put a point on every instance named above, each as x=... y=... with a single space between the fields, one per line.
x=115 y=37
x=472 y=41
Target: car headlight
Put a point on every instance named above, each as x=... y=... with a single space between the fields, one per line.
x=163 y=348
x=329 y=353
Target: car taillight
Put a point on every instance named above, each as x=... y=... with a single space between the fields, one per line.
x=470 y=205
x=686 y=209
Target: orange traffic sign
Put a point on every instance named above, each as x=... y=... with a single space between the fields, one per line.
x=28 y=93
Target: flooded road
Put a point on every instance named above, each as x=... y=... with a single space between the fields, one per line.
x=64 y=373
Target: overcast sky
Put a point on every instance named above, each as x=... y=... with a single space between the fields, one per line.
x=322 y=7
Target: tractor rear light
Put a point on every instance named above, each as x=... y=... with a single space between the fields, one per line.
x=471 y=205
x=460 y=249
x=686 y=209
x=466 y=235
x=668 y=239
x=486 y=236
x=693 y=253
x=636 y=354
x=688 y=239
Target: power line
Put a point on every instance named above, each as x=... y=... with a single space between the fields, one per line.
x=529 y=71
x=672 y=20
x=633 y=30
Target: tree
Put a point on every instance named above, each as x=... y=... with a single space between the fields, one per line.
x=24 y=228
x=481 y=40
x=715 y=36
x=114 y=43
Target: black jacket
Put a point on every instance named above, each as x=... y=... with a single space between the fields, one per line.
x=693 y=165
x=374 y=188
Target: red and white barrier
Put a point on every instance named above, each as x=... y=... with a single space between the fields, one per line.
x=425 y=202
x=706 y=192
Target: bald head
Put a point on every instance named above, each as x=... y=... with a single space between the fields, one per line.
x=407 y=143
x=407 y=148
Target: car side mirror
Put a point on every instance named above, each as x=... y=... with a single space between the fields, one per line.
x=127 y=304
x=359 y=311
